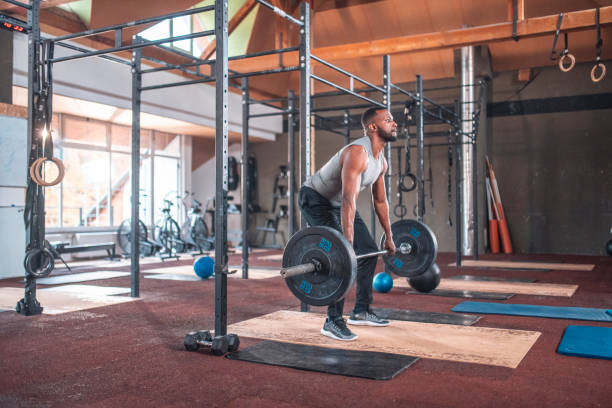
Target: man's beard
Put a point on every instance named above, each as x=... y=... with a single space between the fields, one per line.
x=389 y=137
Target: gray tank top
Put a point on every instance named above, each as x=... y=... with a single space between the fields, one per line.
x=327 y=181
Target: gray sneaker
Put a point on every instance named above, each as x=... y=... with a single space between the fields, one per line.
x=336 y=329
x=366 y=318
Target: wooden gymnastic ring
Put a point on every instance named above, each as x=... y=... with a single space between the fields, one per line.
x=36 y=174
x=562 y=67
x=603 y=72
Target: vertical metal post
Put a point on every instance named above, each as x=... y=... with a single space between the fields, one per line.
x=244 y=178
x=134 y=233
x=458 y=183
x=347 y=127
x=109 y=181
x=35 y=225
x=420 y=134
x=60 y=204
x=221 y=163
x=475 y=193
x=291 y=162
x=304 y=97
x=466 y=123
x=304 y=105
x=387 y=101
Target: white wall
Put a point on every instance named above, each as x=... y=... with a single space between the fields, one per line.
x=99 y=80
x=13 y=164
x=203 y=187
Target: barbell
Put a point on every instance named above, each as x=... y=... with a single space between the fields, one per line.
x=320 y=265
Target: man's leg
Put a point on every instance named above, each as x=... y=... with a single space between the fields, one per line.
x=318 y=211
x=363 y=244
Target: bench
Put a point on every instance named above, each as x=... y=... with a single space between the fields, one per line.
x=66 y=248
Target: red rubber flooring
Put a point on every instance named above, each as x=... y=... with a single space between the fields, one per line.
x=131 y=355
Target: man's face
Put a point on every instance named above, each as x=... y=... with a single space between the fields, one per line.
x=387 y=128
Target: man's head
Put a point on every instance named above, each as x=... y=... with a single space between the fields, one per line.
x=379 y=121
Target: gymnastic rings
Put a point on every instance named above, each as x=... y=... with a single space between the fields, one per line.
x=400 y=211
x=46 y=263
x=36 y=171
x=402 y=187
x=595 y=78
x=562 y=60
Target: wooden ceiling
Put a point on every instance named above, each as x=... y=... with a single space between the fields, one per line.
x=354 y=34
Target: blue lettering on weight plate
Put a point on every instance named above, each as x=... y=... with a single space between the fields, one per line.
x=398 y=263
x=306 y=287
x=325 y=245
x=415 y=232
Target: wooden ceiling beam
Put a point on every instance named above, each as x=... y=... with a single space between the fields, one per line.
x=240 y=15
x=339 y=4
x=527 y=28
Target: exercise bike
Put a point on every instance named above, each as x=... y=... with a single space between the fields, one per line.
x=194 y=230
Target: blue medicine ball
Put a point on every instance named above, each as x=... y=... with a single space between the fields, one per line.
x=382 y=282
x=204 y=267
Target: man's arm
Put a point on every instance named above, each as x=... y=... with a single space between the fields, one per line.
x=381 y=206
x=354 y=161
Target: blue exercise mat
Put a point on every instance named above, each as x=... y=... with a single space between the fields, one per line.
x=587 y=341
x=555 y=312
x=609 y=312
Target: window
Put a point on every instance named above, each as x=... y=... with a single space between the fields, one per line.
x=96 y=190
x=84 y=193
x=238 y=38
x=172 y=28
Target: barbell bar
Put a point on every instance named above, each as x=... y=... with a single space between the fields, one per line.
x=314 y=266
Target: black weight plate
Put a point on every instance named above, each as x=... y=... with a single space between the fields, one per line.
x=423 y=253
x=337 y=258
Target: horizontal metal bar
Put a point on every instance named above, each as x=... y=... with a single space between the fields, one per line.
x=325 y=81
x=133 y=46
x=134 y=23
x=437 y=144
x=18 y=3
x=280 y=12
x=439 y=106
x=340 y=124
x=403 y=91
x=252 y=101
x=265 y=72
x=172 y=84
x=349 y=107
x=170 y=67
x=262 y=53
x=329 y=130
x=264 y=101
x=332 y=66
x=407 y=93
x=202 y=81
x=319 y=95
x=107 y=57
x=263 y=115
x=178 y=52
